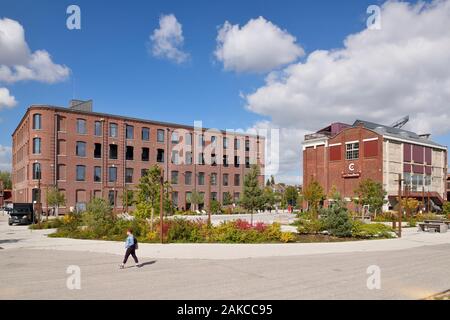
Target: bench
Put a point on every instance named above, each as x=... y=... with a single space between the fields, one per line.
x=447 y=222
x=433 y=227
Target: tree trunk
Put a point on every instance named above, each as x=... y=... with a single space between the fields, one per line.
x=151 y=219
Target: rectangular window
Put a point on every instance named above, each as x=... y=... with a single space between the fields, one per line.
x=201 y=158
x=129 y=175
x=175 y=198
x=160 y=156
x=145 y=154
x=175 y=157
x=36 y=171
x=80 y=149
x=247 y=145
x=213 y=140
x=145 y=134
x=237 y=144
x=188 y=157
x=129 y=132
x=113 y=130
x=188 y=178
x=225 y=179
x=36 y=145
x=237 y=180
x=112 y=197
x=81 y=173
x=81 y=126
x=247 y=162
x=236 y=197
x=201 y=178
x=160 y=135
x=37 y=121
x=98 y=128
x=236 y=161
x=174 y=137
x=213 y=179
x=97 y=150
x=144 y=172
x=188 y=137
x=225 y=143
x=352 y=151
x=213 y=160
x=112 y=174
x=97 y=174
x=201 y=140
x=129 y=153
x=113 y=151
x=225 y=161
x=174 y=177
x=214 y=196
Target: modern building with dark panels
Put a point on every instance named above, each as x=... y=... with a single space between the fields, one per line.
x=88 y=154
x=342 y=155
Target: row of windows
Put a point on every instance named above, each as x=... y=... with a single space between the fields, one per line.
x=145 y=133
x=80 y=151
x=129 y=173
x=112 y=198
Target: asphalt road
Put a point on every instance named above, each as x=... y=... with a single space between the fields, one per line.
x=406 y=274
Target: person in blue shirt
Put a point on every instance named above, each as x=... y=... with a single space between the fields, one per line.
x=130 y=246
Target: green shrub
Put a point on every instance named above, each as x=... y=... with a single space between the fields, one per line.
x=216 y=207
x=287 y=237
x=425 y=216
x=371 y=230
x=336 y=220
x=49 y=224
x=312 y=226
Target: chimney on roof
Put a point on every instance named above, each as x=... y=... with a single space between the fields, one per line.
x=81 y=105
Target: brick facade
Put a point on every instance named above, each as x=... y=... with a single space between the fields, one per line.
x=60 y=138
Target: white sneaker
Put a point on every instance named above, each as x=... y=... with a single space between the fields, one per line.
x=137 y=265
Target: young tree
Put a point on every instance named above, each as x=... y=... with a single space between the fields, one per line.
x=313 y=195
x=149 y=194
x=128 y=198
x=227 y=199
x=410 y=205
x=55 y=199
x=5 y=176
x=269 y=199
x=252 y=195
x=370 y=193
x=291 y=195
x=196 y=200
x=446 y=209
x=272 y=180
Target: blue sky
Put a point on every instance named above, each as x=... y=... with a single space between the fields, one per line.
x=111 y=62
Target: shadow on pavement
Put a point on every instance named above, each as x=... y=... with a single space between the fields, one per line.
x=147 y=263
x=10 y=241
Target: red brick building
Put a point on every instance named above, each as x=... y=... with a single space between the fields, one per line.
x=343 y=155
x=88 y=154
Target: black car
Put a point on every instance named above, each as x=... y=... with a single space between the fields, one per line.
x=21 y=213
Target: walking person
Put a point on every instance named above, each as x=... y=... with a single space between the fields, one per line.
x=130 y=245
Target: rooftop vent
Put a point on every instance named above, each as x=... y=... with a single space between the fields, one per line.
x=81 y=105
x=425 y=136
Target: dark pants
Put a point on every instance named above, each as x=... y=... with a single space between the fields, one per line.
x=131 y=251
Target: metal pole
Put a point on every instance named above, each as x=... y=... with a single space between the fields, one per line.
x=400 y=209
x=161 y=215
x=209 y=199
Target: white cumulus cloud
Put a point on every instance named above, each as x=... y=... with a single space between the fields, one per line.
x=377 y=75
x=167 y=40
x=259 y=46
x=6 y=99
x=5 y=158
x=18 y=63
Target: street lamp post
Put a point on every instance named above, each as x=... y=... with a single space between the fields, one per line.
x=209 y=199
x=161 y=214
x=400 y=209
